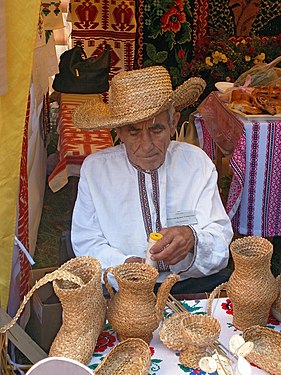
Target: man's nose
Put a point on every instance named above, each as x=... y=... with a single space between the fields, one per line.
x=146 y=140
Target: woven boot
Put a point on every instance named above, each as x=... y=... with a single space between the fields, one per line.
x=84 y=310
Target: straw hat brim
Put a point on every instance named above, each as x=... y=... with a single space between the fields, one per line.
x=95 y=114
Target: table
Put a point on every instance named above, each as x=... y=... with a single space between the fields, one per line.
x=165 y=361
x=254 y=148
x=74 y=144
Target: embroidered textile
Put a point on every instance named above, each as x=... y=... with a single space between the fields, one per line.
x=110 y=21
x=146 y=210
x=52 y=14
x=23 y=231
x=74 y=144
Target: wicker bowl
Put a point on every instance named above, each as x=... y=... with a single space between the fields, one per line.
x=129 y=357
x=267 y=348
x=199 y=332
x=170 y=332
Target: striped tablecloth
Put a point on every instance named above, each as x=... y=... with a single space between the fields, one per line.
x=254 y=199
x=165 y=361
x=74 y=144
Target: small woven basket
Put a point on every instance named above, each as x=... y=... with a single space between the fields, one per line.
x=171 y=334
x=129 y=357
x=267 y=348
x=200 y=332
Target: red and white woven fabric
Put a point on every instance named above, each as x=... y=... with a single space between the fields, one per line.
x=74 y=144
x=254 y=199
x=110 y=21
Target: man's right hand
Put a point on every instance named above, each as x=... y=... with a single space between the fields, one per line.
x=134 y=260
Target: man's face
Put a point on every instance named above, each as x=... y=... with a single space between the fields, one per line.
x=146 y=142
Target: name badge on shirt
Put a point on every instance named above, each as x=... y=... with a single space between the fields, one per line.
x=181 y=218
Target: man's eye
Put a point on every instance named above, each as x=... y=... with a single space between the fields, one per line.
x=134 y=132
x=157 y=130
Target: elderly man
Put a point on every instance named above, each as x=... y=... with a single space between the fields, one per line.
x=150 y=183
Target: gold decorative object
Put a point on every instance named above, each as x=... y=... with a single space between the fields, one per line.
x=199 y=332
x=267 y=348
x=129 y=357
x=135 y=311
x=84 y=310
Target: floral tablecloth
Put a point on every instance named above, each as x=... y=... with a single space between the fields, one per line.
x=165 y=361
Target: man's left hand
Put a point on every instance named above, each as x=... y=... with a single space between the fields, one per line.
x=176 y=243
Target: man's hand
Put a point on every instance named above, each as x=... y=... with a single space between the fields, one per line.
x=134 y=260
x=176 y=243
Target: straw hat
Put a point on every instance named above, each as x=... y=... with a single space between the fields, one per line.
x=135 y=96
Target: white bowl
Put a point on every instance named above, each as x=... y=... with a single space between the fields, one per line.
x=223 y=86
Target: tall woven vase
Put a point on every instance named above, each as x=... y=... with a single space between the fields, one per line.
x=84 y=310
x=251 y=288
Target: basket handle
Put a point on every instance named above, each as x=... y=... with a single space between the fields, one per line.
x=55 y=275
x=105 y=278
x=213 y=295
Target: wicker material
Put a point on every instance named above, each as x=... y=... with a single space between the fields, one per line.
x=267 y=348
x=129 y=357
x=138 y=95
x=84 y=310
x=59 y=274
x=134 y=311
x=170 y=332
x=251 y=283
x=5 y=367
x=199 y=331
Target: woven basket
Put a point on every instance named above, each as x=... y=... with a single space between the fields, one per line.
x=267 y=348
x=129 y=357
x=171 y=334
x=199 y=332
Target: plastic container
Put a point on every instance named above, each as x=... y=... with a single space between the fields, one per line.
x=153 y=238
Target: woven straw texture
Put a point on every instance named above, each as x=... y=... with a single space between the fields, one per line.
x=251 y=283
x=199 y=331
x=267 y=348
x=129 y=357
x=84 y=310
x=138 y=95
x=134 y=311
x=171 y=334
x=5 y=367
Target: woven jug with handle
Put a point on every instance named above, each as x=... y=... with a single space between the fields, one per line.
x=251 y=288
x=134 y=310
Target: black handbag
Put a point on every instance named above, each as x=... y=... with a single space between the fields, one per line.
x=81 y=75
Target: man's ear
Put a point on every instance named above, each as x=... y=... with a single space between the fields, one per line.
x=118 y=132
x=175 y=123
